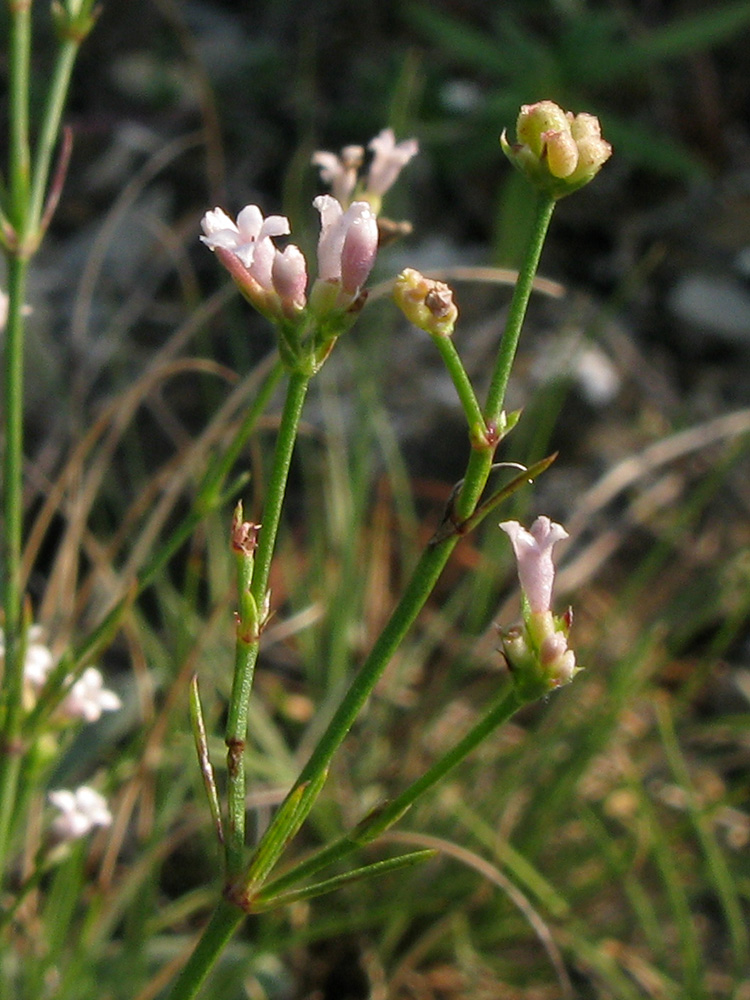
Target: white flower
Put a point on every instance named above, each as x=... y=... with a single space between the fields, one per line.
x=533 y=550
x=88 y=697
x=247 y=238
x=389 y=160
x=38 y=661
x=80 y=812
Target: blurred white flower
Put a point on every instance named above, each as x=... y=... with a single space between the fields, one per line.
x=341 y=172
x=88 y=697
x=80 y=812
x=38 y=661
x=390 y=158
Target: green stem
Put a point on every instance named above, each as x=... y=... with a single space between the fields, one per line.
x=10 y=758
x=19 y=57
x=434 y=558
x=517 y=312
x=248 y=644
x=224 y=922
x=462 y=383
x=380 y=819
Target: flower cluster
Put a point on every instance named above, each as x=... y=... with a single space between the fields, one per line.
x=342 y=173
x=275 y=281
x=86 y=699
x=558 y=151
x=80 y=812
x=537 y=651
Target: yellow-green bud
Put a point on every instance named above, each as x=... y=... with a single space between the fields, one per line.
x=557 y=150
x=426 y=303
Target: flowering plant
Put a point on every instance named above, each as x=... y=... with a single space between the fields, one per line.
x=46 y=697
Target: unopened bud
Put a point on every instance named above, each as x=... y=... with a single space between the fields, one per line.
x=557 y=150
x=426 y=303
x=244 y=533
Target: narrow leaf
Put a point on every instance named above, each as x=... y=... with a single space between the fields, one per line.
x=262 y=902
x=201 y=746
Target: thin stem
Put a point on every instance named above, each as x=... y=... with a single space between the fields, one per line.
x=248 y=639
x=20 y=54
x=296 y=392
x=462 y=383
x=517 y=312
x=10 y=758
x=434 y=558
x=224 y=922
x=480 y=462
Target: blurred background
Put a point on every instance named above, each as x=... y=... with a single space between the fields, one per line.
x=597 y=847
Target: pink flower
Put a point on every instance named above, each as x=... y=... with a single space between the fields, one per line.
x=289 y=278
x=533 y=550
x=340 y=172
x=348 y=243
x=274 y=281
x=389 y=160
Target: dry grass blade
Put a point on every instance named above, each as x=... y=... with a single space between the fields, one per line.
x=494 y=875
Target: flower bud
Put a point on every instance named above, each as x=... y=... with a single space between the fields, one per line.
x=289 y=277
x=347 y=248
x=558 y=151
x=426 y=303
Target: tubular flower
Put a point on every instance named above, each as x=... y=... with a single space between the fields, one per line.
x=244 y=236
x=347 y=248
x=389 y=159
x=537 y=651
x=557 y=150
x=341 y=172
x=275 y=281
